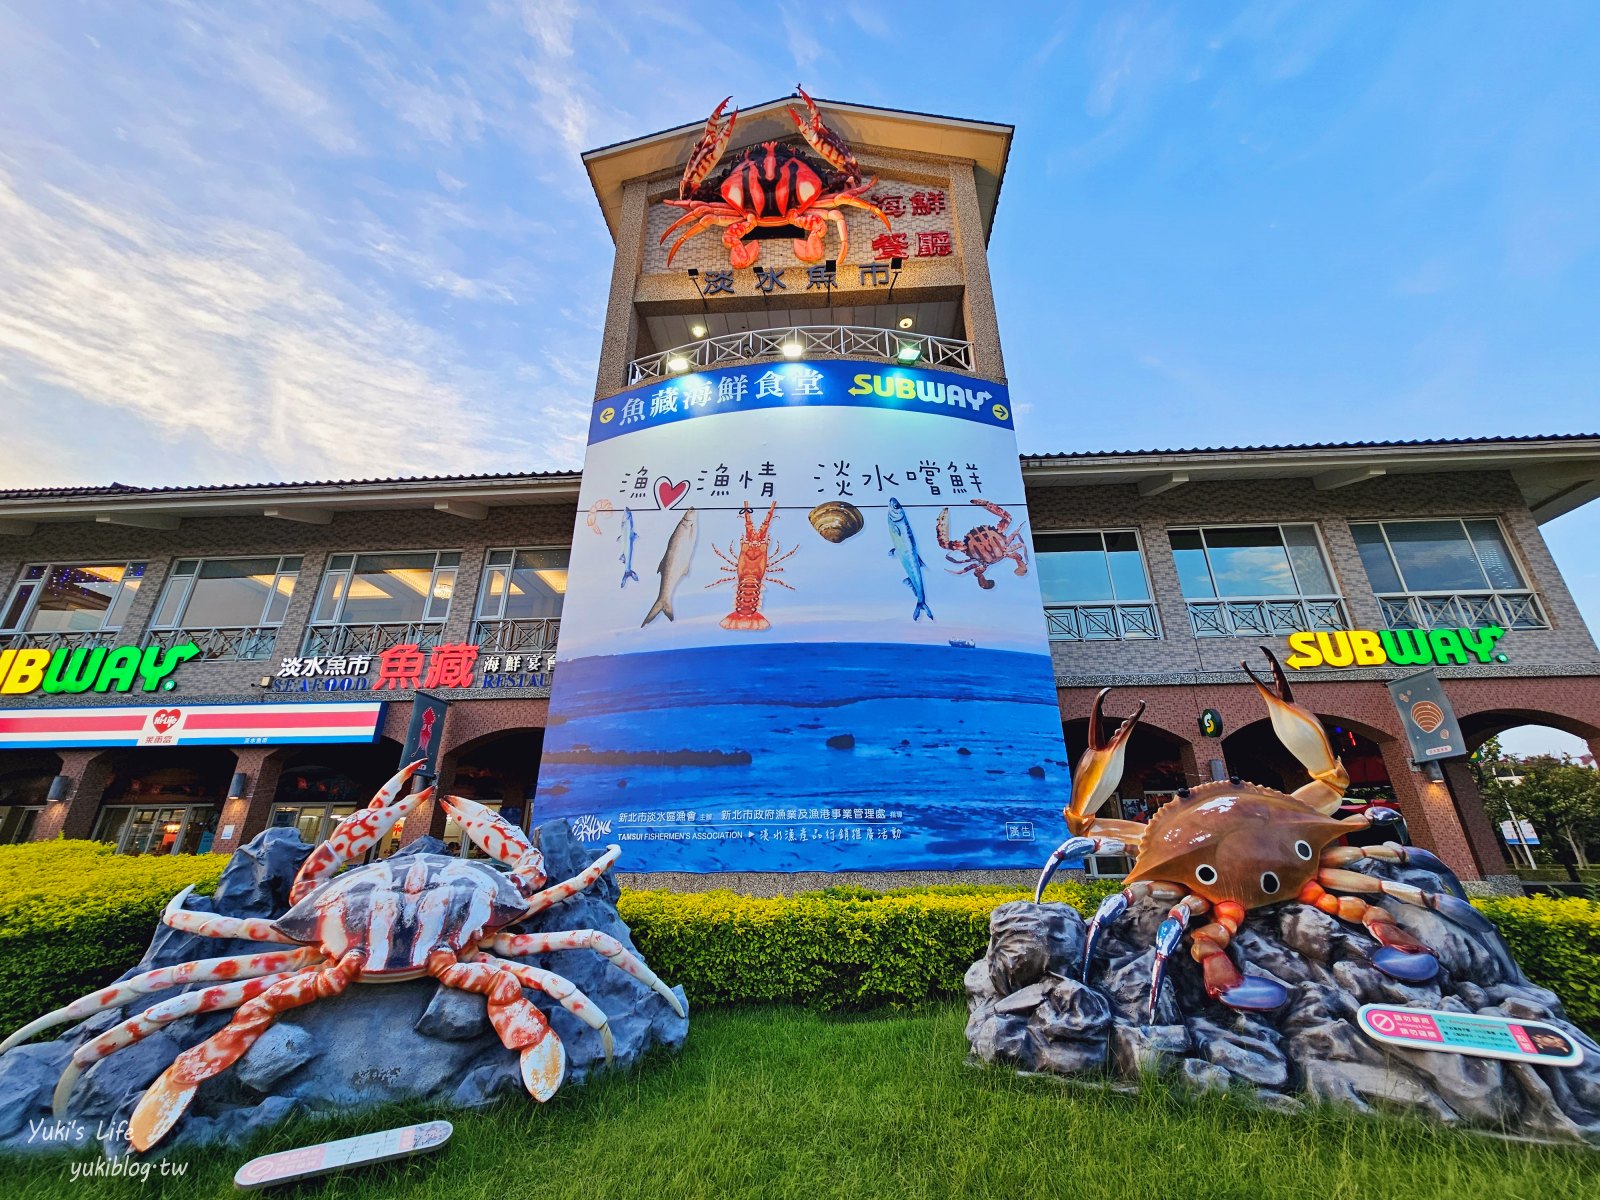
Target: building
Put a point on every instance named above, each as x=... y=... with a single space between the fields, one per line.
x=1161 y=570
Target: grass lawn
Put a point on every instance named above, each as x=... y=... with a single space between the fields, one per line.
x=778 y=1102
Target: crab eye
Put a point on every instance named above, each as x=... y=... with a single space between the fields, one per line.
x=1269 y=882
x=1303 y=849
x=1205 y=873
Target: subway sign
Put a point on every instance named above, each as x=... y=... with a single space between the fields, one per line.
x=1394 y=647
x=92 y=669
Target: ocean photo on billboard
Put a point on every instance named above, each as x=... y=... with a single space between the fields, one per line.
x=810 y=757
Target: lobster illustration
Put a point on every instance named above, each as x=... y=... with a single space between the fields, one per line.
x=750 y=563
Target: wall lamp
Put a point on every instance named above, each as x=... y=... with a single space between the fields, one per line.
x=58 y=789
x=236 y=786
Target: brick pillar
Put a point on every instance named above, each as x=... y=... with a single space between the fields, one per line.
x=1430 y=812
x=1482 y=838
x=90 y=772
x=247 y=814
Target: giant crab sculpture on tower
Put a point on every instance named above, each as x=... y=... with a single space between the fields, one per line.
x=426 y=915
x=771 y=186
x=1228 y=847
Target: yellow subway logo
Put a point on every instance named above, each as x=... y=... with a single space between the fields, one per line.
x=97 y=668
x=1394 y=647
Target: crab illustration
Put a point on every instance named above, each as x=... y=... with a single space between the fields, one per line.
x=984 y=546
x=1228 y=847
x=771 y=186
x=407 y=918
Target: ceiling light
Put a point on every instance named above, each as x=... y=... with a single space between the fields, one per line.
x=909 y=352
x=698 y=330
x=907 y=322
x=677 y=363
x=793 y=349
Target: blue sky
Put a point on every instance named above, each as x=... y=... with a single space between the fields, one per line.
x=303 y=240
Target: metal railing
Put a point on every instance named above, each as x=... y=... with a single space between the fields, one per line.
x=69 y=639
x=801 y=342
x=1269 y=616
x=528 y=635
x=1449 y=610
x=234 y=643
x=370 y=639
x=1102 y=622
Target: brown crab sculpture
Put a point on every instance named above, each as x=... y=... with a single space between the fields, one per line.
x=1227 y=847
x=427 y=915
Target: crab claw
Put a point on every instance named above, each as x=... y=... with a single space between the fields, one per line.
x=1100 y=769
x=824 y=140
x=158 y=1111
x=1112 y=907
x=1408 y=966
x=707 y=151
x=1073 y=847
x=1168 y=935
x=1302 y=735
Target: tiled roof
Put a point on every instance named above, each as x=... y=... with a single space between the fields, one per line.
x=1401 y=445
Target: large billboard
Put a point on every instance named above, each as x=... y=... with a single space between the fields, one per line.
x=803 y=630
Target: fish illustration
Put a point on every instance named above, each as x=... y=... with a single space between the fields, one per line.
x=904 y=548
x=674 y=566
x=628 y=536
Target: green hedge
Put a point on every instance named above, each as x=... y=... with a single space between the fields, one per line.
x=73 y=916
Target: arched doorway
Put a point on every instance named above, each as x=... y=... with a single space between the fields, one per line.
x=165 y=799
x=24 y=791
x=321 y=785
x=499 y=771
x=1254 y=753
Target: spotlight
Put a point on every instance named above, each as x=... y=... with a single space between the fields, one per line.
x=909 y=352
x=793 y=349
x=907 y=322
x=677 y=363
x=698 y=330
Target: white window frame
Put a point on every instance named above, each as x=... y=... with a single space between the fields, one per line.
x=188 y=581
x=1065 y=620
x=49 y=568
x=339 y=621
x=1227 y=624
x=1452 y=599
x=478 y=613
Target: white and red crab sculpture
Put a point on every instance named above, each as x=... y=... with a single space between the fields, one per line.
x=772 y=186
x=408 y=918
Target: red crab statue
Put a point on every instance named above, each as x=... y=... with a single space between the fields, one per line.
x=1223 y=849
x=409 y=918
x=772 y=186
x=985 y=546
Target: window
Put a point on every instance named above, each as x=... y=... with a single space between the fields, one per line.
x=1256 y=580
x=369 y=602
x=152 y=829
x=1428 y=574
x=1095 y=586
x=68 y=600
x=519 y=600
x=231 y=607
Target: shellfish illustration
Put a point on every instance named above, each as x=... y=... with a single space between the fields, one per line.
x=837 y=520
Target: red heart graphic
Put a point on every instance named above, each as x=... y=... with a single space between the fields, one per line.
x=669 y=493
x=166 y=718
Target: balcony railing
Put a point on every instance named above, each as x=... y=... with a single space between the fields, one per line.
x=1102 y=622
x=370 y=639
x=804 y=341
x=529 y=635
x=1269 y=616
x=237 y=643
x=1448 y=610
x=70 y=639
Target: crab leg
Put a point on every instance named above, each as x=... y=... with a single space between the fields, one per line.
x=1453 y=909
x=558 y=892
x=520 y=944
x=240 y=966
x=520 y=1025
x=252 y=929
x=359 y=832
x=1114 y=905
x=140 y=1026
x=565 y=993
x=1393 y=852
x=1398 y=954
x=169 y=1096
x=1302 y=735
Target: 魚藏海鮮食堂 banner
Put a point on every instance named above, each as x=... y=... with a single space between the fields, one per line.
x=803 y=631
